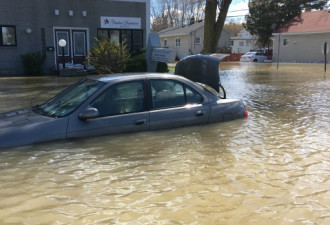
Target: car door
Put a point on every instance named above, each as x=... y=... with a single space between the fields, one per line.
x=175 y=104
x=122 y=108
x=260 y=57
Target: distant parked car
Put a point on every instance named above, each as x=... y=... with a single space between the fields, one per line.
x=253 y=57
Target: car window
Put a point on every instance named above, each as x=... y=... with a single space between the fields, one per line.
x=170 y=93
x=68 y=100
x=167 y=93
x=210 y=90
x=193 y=97
x=121 y=98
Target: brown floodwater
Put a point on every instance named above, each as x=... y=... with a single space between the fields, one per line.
x=272 y=168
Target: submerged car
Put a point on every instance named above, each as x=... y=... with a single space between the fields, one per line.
x=115 y=104
x=253 y=57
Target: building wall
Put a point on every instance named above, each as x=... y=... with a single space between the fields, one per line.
x=39 y=16
x=196 y=48
x=224 y=39
x=301 y=48
x=243 y=45
x=182 y=50
x=188 y=42
x=243 y=42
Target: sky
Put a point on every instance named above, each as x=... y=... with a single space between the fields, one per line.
x=237 y=10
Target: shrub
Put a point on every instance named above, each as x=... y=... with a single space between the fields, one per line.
x=33 y=63
x=137 y=63
x=162 y=67
x=108 y=57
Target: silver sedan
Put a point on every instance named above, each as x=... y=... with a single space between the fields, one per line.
x=115 y=104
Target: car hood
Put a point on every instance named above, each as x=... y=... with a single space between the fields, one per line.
x=19 y=118
x=24 y=126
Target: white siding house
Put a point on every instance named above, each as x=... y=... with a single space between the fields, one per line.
x=187 y=40
x=302 y=39
x=243 y=42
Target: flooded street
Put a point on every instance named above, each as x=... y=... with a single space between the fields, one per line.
x=272 y=168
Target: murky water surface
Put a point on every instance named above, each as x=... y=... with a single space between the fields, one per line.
x=273 y=168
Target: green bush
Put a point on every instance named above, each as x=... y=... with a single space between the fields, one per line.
x=108 y=57
x=33 y=63
x=162 y=67
x=137 y=63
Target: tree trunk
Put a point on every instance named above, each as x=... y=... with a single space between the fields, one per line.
x=212 y=26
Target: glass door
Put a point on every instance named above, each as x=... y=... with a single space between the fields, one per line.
x=79 y=46
x=62 y=54
x=75 y=50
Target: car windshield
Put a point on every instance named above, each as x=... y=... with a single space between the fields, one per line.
x=68 y=100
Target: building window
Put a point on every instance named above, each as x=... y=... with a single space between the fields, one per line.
x=198 y=41
x=137 y=36
x=79 y=43
x=241 y=43
x=177 y=42
x=165 y=43
x=231 y=43
x=133 y=39
x=115 y=36
x=8 y=36
x=285 y=42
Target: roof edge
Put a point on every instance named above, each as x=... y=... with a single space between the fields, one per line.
x=300 y=33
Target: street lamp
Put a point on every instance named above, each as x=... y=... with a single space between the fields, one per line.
x=62 y=44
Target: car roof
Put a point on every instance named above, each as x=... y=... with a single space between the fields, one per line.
x=114 y=77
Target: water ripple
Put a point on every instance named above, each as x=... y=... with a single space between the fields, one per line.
x=272 y=168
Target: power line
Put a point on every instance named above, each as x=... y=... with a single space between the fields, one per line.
x=237 y=16
x=238 y=10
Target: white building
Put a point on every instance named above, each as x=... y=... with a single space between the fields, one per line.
x=187 y=40
x=243 y=42
x=302 y=39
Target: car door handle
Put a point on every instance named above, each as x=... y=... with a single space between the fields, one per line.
x=199 y=113
x=140 y=122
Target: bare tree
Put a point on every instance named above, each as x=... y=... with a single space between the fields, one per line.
x=214 y=23
x=173 y=13
x=233 y=27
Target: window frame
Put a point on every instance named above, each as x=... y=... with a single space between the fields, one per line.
x=285 y=42
x=185 y=87
x=133 y=32
x=115 y=85
x=1 y=36
x=197 y=40
x=177 y=42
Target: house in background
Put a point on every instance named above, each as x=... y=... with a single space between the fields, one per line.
x=302 y=39
x=244 y=42
x=188 y=40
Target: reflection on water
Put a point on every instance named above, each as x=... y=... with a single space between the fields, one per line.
x=273 y=168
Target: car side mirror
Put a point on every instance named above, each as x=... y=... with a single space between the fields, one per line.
x=89 y=113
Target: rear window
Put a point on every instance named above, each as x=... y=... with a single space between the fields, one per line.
x=209 y=89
